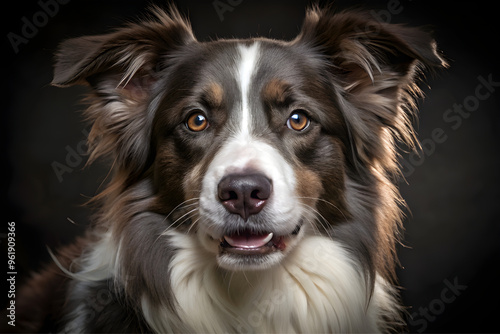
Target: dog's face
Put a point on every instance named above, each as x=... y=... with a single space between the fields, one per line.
x=249 y=145
x=251 y=133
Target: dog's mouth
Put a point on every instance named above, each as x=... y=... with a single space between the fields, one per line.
x=250 y=243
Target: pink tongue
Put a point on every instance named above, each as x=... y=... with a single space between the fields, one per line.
x=248 y=240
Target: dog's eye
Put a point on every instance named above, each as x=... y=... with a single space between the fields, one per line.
x=298 y=121
x=197 y=121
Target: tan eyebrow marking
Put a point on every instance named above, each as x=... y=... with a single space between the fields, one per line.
x=276 y=91
x=214 y=94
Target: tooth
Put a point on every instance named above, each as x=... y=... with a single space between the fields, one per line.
x=269 y=237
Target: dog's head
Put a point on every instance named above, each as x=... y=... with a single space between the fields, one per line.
x=248 y=145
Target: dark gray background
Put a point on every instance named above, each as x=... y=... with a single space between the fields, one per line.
x=452 y=232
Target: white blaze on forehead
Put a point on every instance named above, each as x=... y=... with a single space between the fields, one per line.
x=249 y=56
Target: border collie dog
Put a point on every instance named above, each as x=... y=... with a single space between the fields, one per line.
x=253 y=181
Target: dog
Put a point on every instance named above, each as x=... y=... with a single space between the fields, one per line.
x=253 y=181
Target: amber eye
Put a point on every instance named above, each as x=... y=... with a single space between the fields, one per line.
x=197 y=121
x=298 y=121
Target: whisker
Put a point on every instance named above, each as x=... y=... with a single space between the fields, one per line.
x=164 y=231
x=192 y=225
x=325 y=201
x=312 y=220
x=248 y=281
x=178 y=219
x=185 y=204
x=182 y=205
x=312 y=224
x=229 y=283
x=318 y=215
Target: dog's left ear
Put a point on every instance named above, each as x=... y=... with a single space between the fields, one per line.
x=375 y=65
x=356 y=41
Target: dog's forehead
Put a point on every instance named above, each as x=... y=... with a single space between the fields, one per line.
x=256 y=63
x=245 y=75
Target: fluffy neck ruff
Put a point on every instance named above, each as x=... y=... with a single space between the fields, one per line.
x=300 y=295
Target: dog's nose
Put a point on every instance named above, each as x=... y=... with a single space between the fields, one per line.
x=244 y=194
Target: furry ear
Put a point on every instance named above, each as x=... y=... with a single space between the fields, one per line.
x=121 y=68
x=375 y=65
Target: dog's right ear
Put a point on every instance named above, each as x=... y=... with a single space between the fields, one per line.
x=122 y=68
x=127 y=50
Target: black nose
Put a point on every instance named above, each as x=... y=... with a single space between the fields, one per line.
x=244 y=194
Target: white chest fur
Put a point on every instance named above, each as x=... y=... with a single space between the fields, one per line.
x=318 y=289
